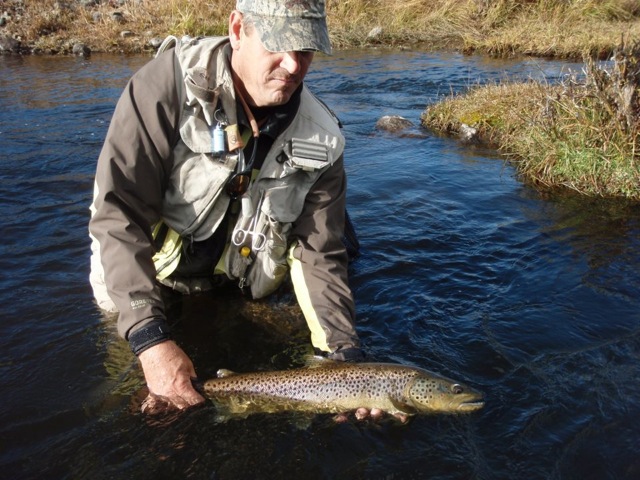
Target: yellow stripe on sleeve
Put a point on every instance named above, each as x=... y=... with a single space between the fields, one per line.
x=318 y=336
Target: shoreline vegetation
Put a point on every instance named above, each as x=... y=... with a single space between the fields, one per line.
x=583 y=134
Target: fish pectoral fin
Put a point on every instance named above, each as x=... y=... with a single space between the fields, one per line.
x=223 y=373
x=403 y=407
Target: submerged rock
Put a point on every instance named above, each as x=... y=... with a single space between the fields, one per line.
x=400 y=127
x=393 y=123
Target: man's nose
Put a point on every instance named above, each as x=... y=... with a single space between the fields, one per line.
x=291 y=62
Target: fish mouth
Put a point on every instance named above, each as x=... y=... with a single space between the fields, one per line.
x=470 y=406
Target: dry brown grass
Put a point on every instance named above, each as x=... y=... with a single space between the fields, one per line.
x=53 y=26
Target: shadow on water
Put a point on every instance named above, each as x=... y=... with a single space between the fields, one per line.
x=532 y=298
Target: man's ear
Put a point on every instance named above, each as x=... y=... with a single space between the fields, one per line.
x=235 y=29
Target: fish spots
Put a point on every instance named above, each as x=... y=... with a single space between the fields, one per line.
x=423 y=391
x=335 y=387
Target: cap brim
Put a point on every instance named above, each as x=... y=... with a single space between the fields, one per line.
x=281 y=34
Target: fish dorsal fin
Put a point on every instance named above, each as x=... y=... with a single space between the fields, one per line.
x=403 y=407
x=223 y=373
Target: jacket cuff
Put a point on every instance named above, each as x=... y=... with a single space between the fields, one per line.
x=151 y=334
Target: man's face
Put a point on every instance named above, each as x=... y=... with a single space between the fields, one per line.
x=264 y=78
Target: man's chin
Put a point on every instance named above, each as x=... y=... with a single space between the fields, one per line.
x=275 y=98
x=279 y=98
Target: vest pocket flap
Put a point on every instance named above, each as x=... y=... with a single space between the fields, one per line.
x=194 y=201
x=202 y=85
x=194 y=131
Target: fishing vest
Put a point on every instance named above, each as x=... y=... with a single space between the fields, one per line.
x=195 y=202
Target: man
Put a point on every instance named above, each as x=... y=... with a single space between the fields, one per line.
x=219 y=163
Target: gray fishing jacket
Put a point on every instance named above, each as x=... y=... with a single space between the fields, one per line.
x=140 y=182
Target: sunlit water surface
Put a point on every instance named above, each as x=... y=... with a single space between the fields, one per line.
x=533 y=299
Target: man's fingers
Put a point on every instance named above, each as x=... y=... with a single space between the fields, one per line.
x=402 y=417
x=341 y=418
x=187 y=394
x=191 y=398
x=362 y=413
x=376 y=414
x=155 y=404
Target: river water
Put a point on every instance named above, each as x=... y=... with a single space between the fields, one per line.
x=533 y=299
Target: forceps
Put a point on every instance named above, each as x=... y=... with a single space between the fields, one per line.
x=258 y=239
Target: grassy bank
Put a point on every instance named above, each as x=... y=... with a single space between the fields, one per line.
x=583 y=134
x=560 y=28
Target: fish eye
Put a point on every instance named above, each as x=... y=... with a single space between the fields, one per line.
x=456 y=389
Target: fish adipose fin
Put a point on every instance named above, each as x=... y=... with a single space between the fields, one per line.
x=223 y=373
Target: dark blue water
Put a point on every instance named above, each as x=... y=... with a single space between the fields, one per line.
x=534 y=299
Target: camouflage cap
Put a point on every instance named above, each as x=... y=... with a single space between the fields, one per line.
x=289 y=25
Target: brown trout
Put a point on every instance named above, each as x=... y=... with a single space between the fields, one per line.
x=338 y=387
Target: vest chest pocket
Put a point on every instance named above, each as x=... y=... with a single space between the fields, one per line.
x=270 y=266
x=257 y=256
x=194 y=201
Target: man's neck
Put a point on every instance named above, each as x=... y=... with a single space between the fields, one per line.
x=274 y=119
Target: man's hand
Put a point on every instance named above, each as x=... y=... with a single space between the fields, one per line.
x=374 y=414
x=168 y=372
